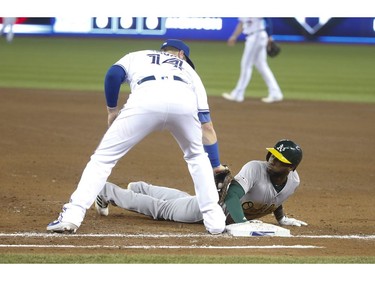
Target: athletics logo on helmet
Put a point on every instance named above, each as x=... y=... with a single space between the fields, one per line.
x=287 y=152
x=179 y=45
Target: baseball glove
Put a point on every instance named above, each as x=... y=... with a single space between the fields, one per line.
x=222 y=181
x=273 y=49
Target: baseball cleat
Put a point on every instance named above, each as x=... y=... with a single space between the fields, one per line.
x=130 y=185
x=101 y=206
x=271 y=99
x=229 y=97
x=61 y=227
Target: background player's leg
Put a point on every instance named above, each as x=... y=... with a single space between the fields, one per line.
x=247 y=62
x=264 y=70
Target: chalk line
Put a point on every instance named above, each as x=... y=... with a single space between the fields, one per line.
x=165 y=235
x=169 y=235
x=159 y=247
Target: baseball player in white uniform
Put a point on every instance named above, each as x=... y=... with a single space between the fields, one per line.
x=258 y=34
x=259 y=189
x=166 y=94
x=8 y=24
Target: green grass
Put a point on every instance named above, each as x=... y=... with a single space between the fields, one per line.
x=304 y=71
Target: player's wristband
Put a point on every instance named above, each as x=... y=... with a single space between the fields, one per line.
x=213 y=153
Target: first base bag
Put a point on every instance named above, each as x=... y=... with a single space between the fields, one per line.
x=247 y=229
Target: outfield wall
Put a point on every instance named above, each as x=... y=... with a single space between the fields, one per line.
x=322 y=30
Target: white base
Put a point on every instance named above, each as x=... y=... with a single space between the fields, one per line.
x=257 y=229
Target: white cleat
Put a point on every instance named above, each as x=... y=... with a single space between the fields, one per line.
x=61 y=227
x=101 y=206
x=130 y=185
x=231 y=98
x=272 y=99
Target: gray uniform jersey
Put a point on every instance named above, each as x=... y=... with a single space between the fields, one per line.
x=166 y=203
x=260 y=197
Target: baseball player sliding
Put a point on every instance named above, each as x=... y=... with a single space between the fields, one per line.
x=166 y=94
x=259 y=189
x=258 y=33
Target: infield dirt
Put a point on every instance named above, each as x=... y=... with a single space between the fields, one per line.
x=47 y=138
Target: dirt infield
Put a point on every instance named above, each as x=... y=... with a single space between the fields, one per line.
x=47 y=138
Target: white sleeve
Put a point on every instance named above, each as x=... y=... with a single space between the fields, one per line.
x=200 y=92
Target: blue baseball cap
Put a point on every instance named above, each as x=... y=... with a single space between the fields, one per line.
x=178 y=44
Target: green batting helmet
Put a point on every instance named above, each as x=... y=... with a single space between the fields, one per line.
x=287 y=152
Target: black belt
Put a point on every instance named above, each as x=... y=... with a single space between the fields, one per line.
x=251 y=33
x=152 y=77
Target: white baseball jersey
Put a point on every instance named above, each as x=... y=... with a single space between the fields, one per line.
x=163 y=66
x=166 y=94
x=252 y=25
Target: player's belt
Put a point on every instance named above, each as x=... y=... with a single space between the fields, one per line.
x=152 y=77
x=251 y=33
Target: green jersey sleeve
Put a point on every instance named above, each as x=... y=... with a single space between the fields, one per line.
x=233 y=203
